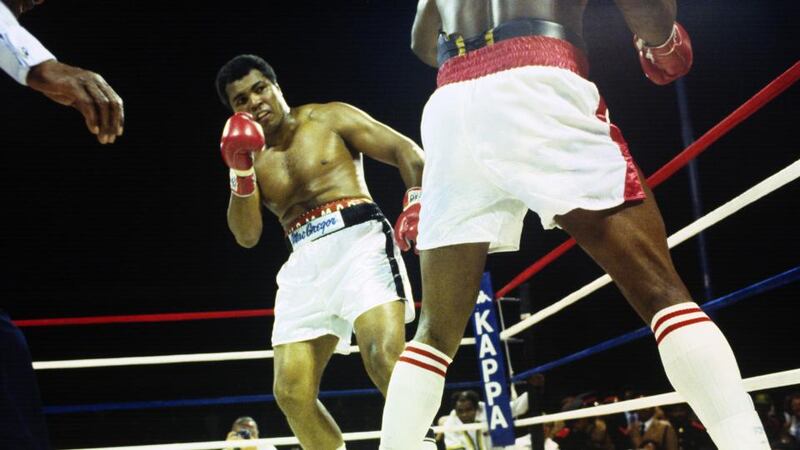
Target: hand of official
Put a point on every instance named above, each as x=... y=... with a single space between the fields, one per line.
x=85 y=91
x=241 y=138
x=669 y=61
x=405 y=228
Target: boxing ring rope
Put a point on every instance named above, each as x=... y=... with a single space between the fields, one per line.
x=763 y=286
x=771 y=381
x=145 y=318
x=748 y=108
x=229 y=400
x=758 y=191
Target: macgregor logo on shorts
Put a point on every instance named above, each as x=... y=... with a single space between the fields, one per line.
x=317 y=228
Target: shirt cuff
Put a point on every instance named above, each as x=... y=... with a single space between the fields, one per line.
x=19 y=50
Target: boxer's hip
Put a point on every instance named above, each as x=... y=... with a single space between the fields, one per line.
x=329 y=218
x=512 y=44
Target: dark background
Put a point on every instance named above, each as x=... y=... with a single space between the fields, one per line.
x=139 y=227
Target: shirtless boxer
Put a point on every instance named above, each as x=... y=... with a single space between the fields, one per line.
x=344 y=273
x=515 y=125
x=24 y=58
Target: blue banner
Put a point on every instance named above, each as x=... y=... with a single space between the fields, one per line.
x=492 y=366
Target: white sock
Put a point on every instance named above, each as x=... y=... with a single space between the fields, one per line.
x=700 y=365
x=414 y=396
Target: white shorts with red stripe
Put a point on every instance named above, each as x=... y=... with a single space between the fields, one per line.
x=529 y=137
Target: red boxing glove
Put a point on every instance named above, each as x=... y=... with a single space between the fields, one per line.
x=405 y=230
x=241 y=137
x=670 y=60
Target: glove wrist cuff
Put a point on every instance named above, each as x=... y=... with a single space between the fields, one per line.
x=413 y=195
x=243 y=182
x=243 y=172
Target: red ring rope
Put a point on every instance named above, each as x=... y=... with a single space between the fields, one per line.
x=145 y=318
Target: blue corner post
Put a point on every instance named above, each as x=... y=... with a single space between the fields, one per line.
x=492 y=366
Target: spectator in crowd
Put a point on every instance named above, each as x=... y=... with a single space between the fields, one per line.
x=649 y=427
x=692 y=435
x=649 y=445
x=467 y=409
x=245 y=428
x=791 y=414
x=619 y=424
x=549 y=431
x=587 y=433
x=772 y=421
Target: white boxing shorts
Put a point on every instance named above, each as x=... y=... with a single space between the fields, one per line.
x=516 y=126
x=344 y=262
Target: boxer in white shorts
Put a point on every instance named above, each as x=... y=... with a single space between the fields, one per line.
x=515 y=125
x=344 y=273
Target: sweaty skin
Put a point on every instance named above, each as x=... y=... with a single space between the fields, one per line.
x=473 y=17
x=313 y=151
x=313 y=168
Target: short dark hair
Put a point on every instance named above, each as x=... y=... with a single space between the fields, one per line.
x=470 y=396
x=243 y=421
x=239 y=67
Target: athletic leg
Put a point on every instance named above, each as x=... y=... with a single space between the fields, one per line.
x=298 y=371
x=450 y=281
x=629 y=242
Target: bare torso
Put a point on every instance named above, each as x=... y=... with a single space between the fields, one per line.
x=315 y=167
x=473 y=17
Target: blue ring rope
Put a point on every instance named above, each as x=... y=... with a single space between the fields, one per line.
x=722 y=302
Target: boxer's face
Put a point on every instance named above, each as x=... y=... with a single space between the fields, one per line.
x=256 y=94
x=18 y=7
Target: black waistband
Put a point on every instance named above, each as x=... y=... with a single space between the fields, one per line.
x=352 y=215
x=455 y=45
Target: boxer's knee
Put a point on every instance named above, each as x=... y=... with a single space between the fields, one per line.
x=380 y=361
x=295 y=392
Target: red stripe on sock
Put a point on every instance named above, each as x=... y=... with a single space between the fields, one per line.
x=674 y=327
x=674 y=314
x=428 y=354
x=422 y=365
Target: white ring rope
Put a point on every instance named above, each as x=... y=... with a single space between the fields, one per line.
x=771 y=381
x=771 y=184
x=171 y=359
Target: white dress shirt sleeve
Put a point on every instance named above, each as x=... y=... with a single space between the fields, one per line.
x=19 y=50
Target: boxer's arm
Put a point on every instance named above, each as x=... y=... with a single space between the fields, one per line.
x=364 y=134
x=651 y=20
x=244 y=219
x=425 y=32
